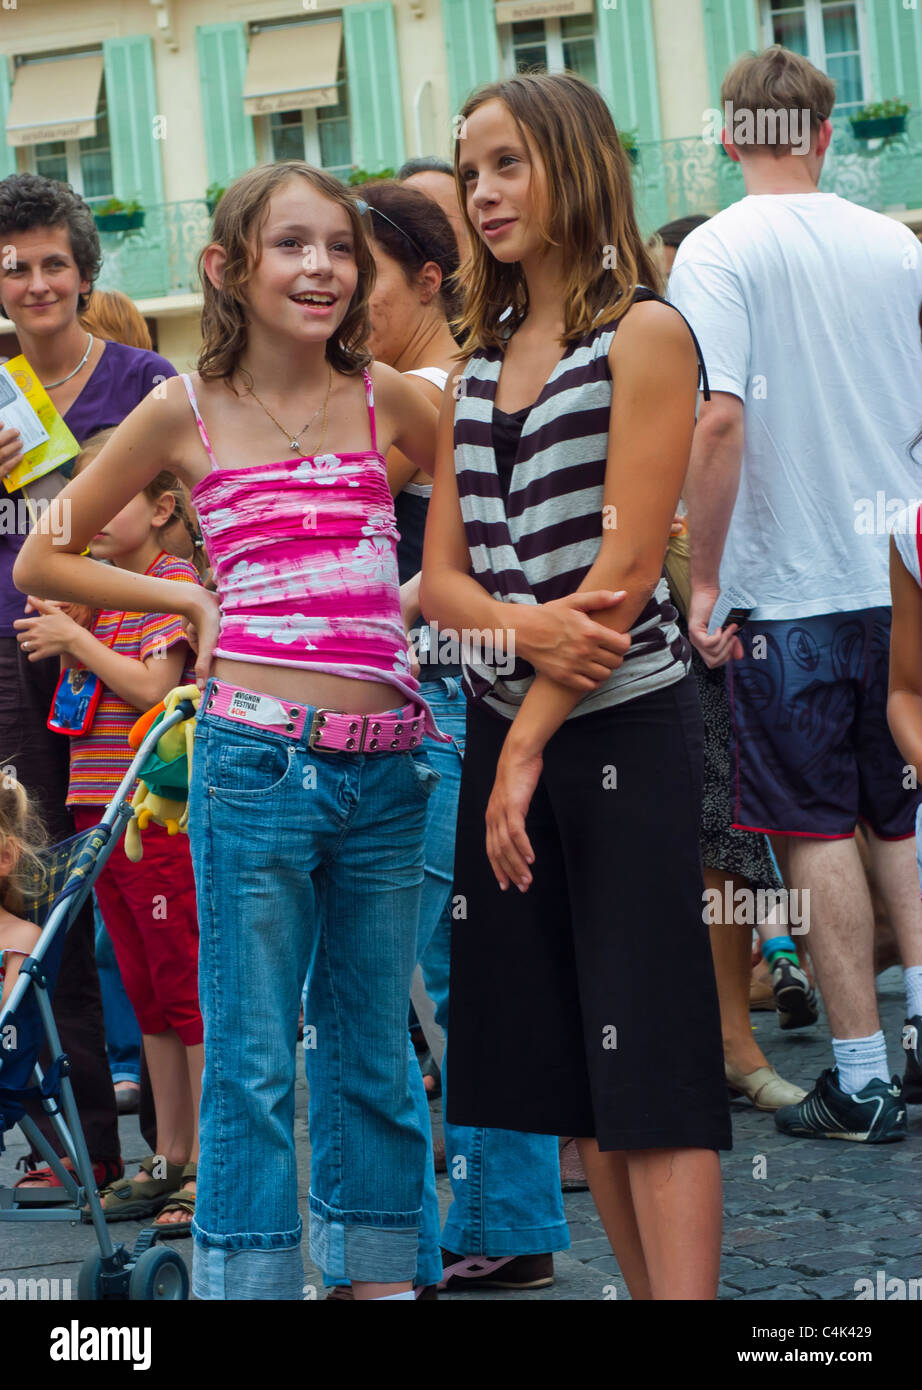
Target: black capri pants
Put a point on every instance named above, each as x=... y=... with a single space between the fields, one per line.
x=587 y=1006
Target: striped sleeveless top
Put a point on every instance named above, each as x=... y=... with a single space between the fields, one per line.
x=541 y=543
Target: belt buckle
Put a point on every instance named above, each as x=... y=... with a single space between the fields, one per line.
x=317 y=724
x=357 y=730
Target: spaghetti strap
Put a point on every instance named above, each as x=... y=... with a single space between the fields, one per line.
x=190 y=392
x=370 y=399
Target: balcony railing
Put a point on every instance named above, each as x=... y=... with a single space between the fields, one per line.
x=672 y=179
x=675 y=178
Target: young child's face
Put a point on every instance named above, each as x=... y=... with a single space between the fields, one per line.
x=129 y=531
x=307 y=273
x=504 y=181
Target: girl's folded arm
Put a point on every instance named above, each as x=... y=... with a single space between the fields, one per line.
x=650 y=433
x=51 y=564
x=138 y=683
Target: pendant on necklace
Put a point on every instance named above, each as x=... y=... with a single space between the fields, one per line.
x=295 y=445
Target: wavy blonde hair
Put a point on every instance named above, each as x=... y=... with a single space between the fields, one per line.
x=589 y=216
x=20 y=828
x=238 y=221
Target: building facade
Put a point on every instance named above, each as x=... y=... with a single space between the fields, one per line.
x=164 y=102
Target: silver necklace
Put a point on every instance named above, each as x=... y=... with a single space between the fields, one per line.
x=50 y=385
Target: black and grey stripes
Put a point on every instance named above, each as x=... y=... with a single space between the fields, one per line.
x=541 y=544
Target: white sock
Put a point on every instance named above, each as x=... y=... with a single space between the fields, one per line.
x=913 y=978
x=389 y=1297
x=860 y=1060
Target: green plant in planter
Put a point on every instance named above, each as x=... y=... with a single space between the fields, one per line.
x=363 y=176
x=213 y=195
x=115 y=216
x=880 y=119
x=628 y=140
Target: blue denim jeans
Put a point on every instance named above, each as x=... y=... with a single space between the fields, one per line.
x=505 y=1185
x=123 y=1036
x=307 y=863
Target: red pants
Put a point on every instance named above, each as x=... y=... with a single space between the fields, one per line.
x=149 y=912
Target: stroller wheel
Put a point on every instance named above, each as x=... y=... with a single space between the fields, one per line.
x=88 y=1279
x=159 y=1275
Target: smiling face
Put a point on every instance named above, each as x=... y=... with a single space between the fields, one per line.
x=40 y=287
x=307 y=272
x=504 y=182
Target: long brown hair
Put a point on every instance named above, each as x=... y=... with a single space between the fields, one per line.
x=20 y=829
x=590 y=214
x=238 y=221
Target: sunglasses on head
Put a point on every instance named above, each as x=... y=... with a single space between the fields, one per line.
x=364 y=207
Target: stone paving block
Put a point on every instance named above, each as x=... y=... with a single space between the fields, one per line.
x=822 y=1262
x=782 y=1293
x=753 y=1279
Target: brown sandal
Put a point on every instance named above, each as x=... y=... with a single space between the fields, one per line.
x=180 y=1200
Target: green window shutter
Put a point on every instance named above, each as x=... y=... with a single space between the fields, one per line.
x=131 y=100
x=627 y=66
x=895 y=36
x=731 y=28
x=471 y=46
x=373 y=75
x=7 y=154
x=230 y=147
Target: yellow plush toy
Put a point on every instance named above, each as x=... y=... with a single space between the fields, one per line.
x=162 y=792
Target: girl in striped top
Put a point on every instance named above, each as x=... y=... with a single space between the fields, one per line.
x=148 y=907
x=564 y=443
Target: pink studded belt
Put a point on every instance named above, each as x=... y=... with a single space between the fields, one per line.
x=393 y=732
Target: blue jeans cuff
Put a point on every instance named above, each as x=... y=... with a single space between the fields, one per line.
x=496 y=1244
x=371 y=1254
x=276 y=1275
x=249 y=1240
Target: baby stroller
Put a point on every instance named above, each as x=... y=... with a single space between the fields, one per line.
x=149 y=1271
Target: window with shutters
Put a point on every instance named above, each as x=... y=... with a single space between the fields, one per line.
x=321 y=135
x=566 y=44
x=832 y=34
x=85 y=164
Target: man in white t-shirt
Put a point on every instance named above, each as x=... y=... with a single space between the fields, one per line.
x=806 y=307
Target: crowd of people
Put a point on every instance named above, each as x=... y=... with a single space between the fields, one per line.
x=523 y=421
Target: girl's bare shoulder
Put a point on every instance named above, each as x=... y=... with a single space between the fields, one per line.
x=16 y=933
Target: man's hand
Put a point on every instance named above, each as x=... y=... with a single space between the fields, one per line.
x=716 y=649
x=508 y=847
x=561 y=641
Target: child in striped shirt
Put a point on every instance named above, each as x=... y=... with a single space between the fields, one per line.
x=148 y=907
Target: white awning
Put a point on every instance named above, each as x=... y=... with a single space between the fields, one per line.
x=54 y=101
x=512 y=11
x=293 y=67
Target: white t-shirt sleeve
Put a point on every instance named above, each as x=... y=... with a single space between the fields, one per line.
x=705 y=287
x=903 y=529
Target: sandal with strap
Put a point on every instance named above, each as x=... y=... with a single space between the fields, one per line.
x=184 y=1201
x=131 y=1200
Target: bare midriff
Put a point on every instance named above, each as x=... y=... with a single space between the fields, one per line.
x=341 y=693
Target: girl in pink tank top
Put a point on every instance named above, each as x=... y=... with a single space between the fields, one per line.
x=306 y=824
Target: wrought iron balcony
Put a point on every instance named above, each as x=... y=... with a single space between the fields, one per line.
x=675 y=178
x=159 y=258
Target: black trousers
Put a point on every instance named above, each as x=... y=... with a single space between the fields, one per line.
x=597 y=985
x=41 y=761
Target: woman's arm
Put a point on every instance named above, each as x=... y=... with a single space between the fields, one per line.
x=52 y=566
x=904 y=702
x=558 y=637
x=654 y=386
x=400 y=469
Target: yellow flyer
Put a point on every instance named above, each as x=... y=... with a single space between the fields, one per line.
x=26 y=406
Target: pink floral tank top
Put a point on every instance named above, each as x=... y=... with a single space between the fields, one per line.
x=304 y=557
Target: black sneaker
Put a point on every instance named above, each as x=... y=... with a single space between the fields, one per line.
x=874 y=1115
x=912 y=1042
x=795 y=998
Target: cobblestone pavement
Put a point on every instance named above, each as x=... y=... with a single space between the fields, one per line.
x=824 y=1215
